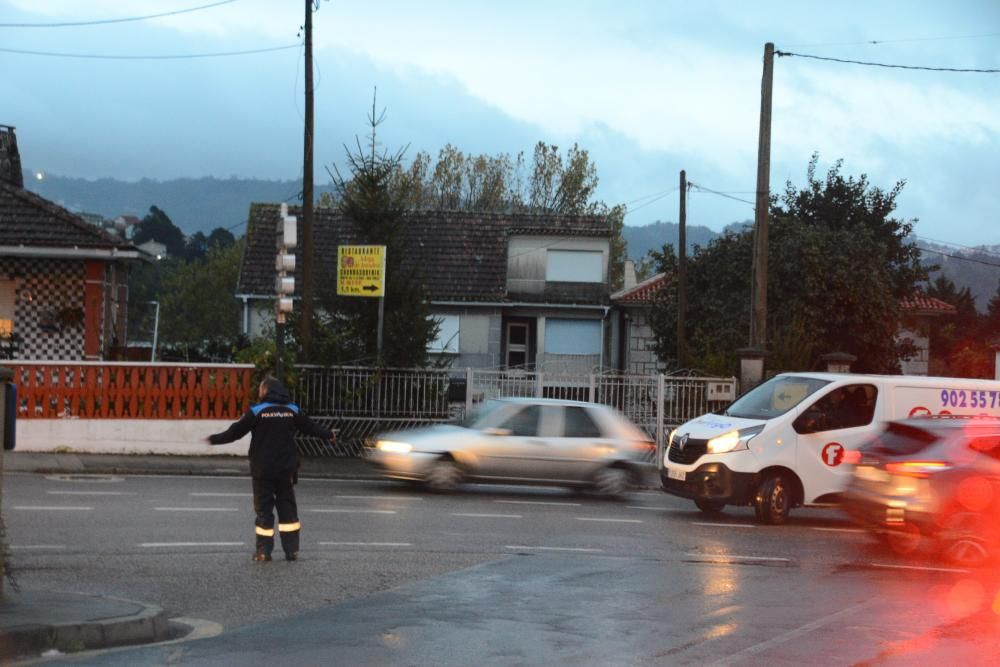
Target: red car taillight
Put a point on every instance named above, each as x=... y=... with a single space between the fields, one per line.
x=916 y=468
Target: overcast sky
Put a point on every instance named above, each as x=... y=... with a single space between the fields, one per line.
x=648 y=88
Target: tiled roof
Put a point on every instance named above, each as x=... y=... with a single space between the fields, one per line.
x=458 y=255
x=32 y=221
x=644 y=292
x=920 y=304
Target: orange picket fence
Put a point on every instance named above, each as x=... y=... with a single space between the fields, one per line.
x=111 y=390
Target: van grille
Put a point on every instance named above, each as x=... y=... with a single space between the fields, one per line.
x=693 y=450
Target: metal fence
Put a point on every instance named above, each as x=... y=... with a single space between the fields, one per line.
x=362 y=402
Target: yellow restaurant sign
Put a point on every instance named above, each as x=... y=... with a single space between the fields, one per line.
x=361 y=270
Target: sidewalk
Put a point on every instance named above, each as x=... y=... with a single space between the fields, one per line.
x=135 y=464
x=33 y=622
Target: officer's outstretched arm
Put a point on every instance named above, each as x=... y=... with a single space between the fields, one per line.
x=235 y=431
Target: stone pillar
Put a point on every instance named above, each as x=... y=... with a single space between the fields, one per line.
x=751 y=367
x=93 y=310
x=838 y=362
x=996 y=360
x=5 y=376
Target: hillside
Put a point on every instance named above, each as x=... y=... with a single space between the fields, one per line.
x=643 y=238
x=193 y=204
x=975 y=268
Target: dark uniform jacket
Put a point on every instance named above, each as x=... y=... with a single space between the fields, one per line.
x=273 y=423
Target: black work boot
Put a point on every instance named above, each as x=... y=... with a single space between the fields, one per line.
x=262 y=556
x=291 y=555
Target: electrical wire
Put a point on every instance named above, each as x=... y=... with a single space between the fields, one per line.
x=183 y=56
x=76 y=24
x=957 y=245
x=959 y=257
x=651 y=201
x=871 y=64
x=655 y=194
x=720 y=194
x=877 y=42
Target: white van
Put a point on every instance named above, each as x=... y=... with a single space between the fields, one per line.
x=791 y=440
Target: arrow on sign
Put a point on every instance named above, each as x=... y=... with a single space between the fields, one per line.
x=370 y=288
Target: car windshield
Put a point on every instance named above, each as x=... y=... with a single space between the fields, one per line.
x=774 y=398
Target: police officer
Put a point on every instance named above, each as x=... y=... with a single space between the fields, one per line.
x=274 y=463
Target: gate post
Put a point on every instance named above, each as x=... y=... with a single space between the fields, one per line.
x=660 y=397
x=468 y=391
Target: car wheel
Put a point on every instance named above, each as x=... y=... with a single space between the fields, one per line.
x=967 y=539
x=443 y=476
x=709 y=506
x=612 y=481
x=773 y=500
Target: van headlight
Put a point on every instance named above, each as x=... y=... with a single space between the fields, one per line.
x=733 y=441
x=670 y=440
x=393 y=447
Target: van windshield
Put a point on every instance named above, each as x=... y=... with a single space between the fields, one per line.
x=774 y=398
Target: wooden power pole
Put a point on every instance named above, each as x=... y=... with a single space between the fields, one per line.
x=682 y=275
x=307 y=195
x=758 y=317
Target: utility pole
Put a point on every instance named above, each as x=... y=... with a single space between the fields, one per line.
x=307 y=195
x=758 y=317
x=682 y=275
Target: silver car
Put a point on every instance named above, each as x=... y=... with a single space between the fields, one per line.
x=521 y=441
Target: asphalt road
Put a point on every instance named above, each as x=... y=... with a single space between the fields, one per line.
x=493 y=575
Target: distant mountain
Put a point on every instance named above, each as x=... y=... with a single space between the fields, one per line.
x=193 y=204
x=640 y=239
x=975 y=268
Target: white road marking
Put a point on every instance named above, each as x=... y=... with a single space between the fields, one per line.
x=196 y=509
x=366 y=544
x=722 y=525
x=672 y=510
x=91 y=493
x=37 y=547
x=487 y=516
x=328 y=510
x=590 y=518
x=223 y=495
x=726 y=558
x=839 y=530
x=791 y=634
x=155 y=545
x=53 y=508
x=536 y=502
x=579 y=549
x=407 y=498
x=918 y=568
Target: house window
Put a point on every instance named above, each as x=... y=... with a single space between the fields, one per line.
x=8 y=296
x=447 y=336
x=572 y=336
x=574 y=266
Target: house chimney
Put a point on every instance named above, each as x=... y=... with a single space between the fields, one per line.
x=10 y=159
x=629 y=274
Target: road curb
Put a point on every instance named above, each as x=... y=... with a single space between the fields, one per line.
x=108 y=622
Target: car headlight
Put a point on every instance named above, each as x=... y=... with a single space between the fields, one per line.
x=670 y=440
x=733 y=440
x=394 y=447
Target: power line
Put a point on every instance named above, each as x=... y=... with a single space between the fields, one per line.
x=870 y=64
x=720 y=194
x=182 y=56
x=959 y=257
x=663 y=193
x=958 y=245
x=877 y=42
x=69 y=24
x=651 y=201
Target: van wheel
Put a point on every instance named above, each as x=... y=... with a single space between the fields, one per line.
x=773 y=500
x=709 y=506
x=443 y=476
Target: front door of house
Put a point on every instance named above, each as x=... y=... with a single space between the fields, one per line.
x=518 y=348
